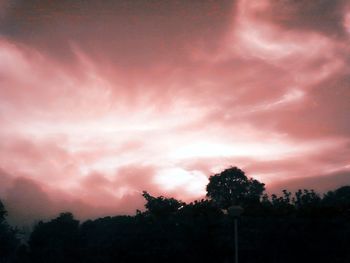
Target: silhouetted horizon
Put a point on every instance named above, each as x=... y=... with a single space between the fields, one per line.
x=22 y=212
x=174 y=231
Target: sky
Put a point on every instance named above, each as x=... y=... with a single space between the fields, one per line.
x=100 y=100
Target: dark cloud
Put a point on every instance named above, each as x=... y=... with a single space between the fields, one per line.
x=322 y=16
x=26 y=202
x=321 y=184
x=127 y=33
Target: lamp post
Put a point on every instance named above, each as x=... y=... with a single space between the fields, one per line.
x=235 y=212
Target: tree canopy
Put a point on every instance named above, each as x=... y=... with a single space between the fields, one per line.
x=161 y=206
x=232 y=187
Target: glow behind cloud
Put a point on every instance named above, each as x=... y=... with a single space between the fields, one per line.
x=160 y=99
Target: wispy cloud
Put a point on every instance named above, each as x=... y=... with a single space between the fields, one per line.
x=101 y=101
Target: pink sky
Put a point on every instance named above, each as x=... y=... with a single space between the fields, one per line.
x=99 y=101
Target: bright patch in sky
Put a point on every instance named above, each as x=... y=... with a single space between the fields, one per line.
x=163 y=96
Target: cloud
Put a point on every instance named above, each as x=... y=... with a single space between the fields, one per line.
x=128 y=33
x=99 y=101
x=321 y=16
x=128 y=180
x=26 y=202
x=321 y=183
x=5 y=181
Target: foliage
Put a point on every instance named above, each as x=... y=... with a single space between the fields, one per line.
x=8 y=237
x=232 y=187
x=161 y=206
x=56 y=240
x=3 y=212
x=339 y=198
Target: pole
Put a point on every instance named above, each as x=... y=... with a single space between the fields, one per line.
x=236 y=239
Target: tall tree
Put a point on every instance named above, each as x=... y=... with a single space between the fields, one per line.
x=232 y=187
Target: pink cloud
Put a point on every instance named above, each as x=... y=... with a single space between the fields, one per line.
x=162 y=98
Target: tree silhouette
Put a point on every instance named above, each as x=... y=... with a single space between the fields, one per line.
x=56 y=240
x=161 y=206
x=3 y=212
x=338 y=201
x=278 y=205
x=232 y=187
x=340 y=197
x=8 y=237
x=306 y=198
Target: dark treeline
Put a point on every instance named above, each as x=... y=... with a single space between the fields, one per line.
x=291 y=227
